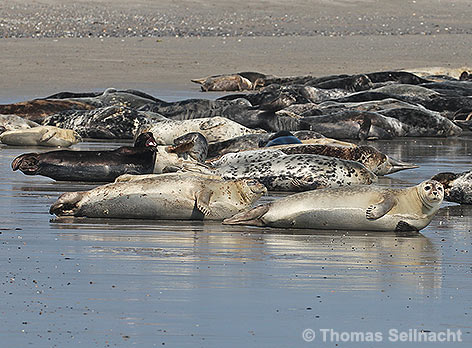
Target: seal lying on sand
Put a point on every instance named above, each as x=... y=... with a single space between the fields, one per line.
x=373 y=159
x=252 y=141
x=41 y=136
x=37 y=110
x=12 y=122
x=232 y=82
x=111 y=122
x=173 y=196
x=90 y=165
x=213 y=128
x=104 y=166
x=300 y=172
x=363 y=208
x=457 y=186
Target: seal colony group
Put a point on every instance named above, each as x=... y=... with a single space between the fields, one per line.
x=212 y=159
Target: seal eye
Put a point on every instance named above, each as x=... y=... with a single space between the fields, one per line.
x=427 y=188
x=439 y=188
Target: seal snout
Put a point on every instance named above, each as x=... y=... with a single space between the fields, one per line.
x=434 y=190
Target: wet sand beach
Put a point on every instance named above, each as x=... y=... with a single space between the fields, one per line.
x=49 y=46
x=123 y=283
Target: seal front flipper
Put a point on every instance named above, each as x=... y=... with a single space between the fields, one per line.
x=364 y=129
x=211 y=123
x=47 y=136
x=203 y=201
x=403 y=226
x=306 y=183
x=376 y=211
x=251 y=217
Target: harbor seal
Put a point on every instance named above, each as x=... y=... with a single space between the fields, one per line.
x=41 y=136
x=369 y=156
x=457 y=186
x=173 y=196
x=363 y=208
x=12 y=122
x=300 y=172
x=213 y=128
x=232 y=82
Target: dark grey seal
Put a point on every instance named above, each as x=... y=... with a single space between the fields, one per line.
x=457 y=186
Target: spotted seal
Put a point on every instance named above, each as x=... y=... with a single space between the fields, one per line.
x=369 y=156
x=12 y=122
x=213 y=128
x=41 y=136
x=364 y=208
x=299 y=172
x=174 y=196
x=457 y=186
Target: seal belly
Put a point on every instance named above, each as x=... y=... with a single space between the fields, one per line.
x=349 y=219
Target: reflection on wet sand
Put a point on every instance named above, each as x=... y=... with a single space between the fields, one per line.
x=341 y=260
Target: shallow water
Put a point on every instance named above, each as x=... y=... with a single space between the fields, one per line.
x=98 y=282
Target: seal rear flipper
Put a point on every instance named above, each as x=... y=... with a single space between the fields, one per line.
x=66 y=204
x=397 y=165
x=376 y=211
x=202 y=202
x=251 y=217
x=27 y=163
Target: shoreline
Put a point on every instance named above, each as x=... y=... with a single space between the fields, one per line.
x=39 y=67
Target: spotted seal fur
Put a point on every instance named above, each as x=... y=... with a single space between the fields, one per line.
x=213 y=128
x=370 y=157
x=457 y=186
x=299 y=172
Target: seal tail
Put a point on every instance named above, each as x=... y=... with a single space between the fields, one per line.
x=251 y=217
x=397 y=165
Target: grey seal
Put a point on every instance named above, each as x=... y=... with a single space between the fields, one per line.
x=457 y=186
